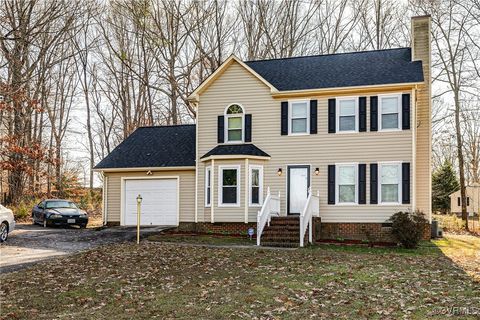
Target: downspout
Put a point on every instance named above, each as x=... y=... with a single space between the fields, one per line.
x=104 y=198
x=414 y=150
x=196 y=164
x=212 y=188
x=246 y=190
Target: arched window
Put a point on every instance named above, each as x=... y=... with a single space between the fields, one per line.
x=234 y=123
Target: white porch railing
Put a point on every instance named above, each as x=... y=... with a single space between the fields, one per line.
x=271 y=205
x=312 y=207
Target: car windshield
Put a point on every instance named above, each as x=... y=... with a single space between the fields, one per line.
x=60 y=204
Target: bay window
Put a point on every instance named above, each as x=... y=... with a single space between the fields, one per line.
x=256 y=185
x=208 y=186
x=229 y=185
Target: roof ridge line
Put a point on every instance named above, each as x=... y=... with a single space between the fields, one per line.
x=328 y=54
x=168 y=126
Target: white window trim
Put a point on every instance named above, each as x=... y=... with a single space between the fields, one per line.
x=260 y=189
x=380 y=165
x=337 y=114
x=208 y=170
x=220 y=185
x=225 y=124
x=337 y=186
x=399 y=110
x=290 y=133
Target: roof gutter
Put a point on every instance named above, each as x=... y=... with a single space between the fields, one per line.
x=144 y=169
x=234 y=156
x=336 y=90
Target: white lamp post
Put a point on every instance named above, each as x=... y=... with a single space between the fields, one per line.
x=139 y=202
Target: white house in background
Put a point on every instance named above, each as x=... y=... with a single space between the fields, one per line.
x=473 y=200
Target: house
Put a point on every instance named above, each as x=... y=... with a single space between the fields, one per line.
x=473 y=200
x=342 y=140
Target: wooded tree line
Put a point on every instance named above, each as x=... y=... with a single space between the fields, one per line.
x=117 y=65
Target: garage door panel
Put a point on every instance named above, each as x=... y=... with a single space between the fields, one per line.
x=159 y=204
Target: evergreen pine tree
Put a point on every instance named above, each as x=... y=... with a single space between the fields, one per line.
x=444 y=183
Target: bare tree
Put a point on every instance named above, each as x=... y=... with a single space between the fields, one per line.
x=84 y=41
x=29 y=32
x=451 y=24
x=382 y=24
x=470 y=116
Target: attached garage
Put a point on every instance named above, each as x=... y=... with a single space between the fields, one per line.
x=160 y=201
x=156 y=163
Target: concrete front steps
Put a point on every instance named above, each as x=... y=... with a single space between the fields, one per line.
x=282 y=232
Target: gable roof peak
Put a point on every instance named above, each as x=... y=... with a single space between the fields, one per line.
x=194 y=96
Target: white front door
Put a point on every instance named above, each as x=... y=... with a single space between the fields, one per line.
x=159 y=205
x=298 y=183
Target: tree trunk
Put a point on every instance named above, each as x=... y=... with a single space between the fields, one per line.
x=461 y=162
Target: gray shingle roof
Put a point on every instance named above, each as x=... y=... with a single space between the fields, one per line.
x=340 y=70
x=161 y=146
x=236 y=149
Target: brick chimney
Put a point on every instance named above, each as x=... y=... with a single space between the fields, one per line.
x=421 y=50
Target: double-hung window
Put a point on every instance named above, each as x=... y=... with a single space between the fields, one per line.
x=234 y=120
x=390 y=179
x=390 y=115
x=347 y=114
x=229 y=186
x=208 y=186
x=346 y=183
x=298 y=117
x=256 y=185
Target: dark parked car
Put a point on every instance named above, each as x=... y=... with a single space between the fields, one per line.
x=59 y=212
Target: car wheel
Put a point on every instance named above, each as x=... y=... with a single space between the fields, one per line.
x=45 y=224
x=3 y=232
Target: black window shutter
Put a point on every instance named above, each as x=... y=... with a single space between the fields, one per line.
x=406 y=183
x=373 y=183
x=362 y=112
x=362 y=183
x=406 y=111
x=248 y=128
x=458 y=201
x=374 y=113
x=331 y=184
x=313 y=116
x=220 y=129
x=331 y=115
x=284 y=119
x=468 y=201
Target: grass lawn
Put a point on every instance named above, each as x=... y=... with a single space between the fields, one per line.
x=168 y=280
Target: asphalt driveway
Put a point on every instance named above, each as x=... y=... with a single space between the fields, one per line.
x=29 y=244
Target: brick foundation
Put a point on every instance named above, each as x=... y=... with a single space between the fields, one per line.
x=374 y=232
x=233 y=228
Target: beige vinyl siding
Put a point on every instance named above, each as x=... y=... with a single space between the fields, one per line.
x=186 y=187
x=236 y=85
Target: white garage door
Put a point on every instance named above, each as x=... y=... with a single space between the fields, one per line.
x=159 y=205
